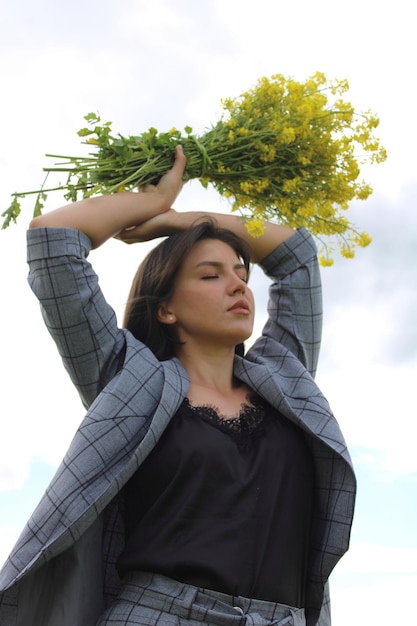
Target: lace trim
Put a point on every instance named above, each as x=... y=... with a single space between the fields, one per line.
x=245 y=428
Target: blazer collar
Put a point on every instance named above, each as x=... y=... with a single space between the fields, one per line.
x=303 y=403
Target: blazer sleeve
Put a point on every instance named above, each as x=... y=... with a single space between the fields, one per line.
x=295 y=301
x=80 y=321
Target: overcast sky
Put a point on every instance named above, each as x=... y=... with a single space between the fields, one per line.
x=168 y=63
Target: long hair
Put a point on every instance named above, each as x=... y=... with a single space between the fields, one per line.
x=154 y=283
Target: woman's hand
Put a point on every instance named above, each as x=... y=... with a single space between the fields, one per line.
x=168 y=187
x=159 y=226
x=171 y=183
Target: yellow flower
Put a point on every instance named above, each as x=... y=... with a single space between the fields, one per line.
x=287 y=135
x=268 y=154
x=325 y=261
x=228 y=103
x=255 y=226
x=363 y=192
x=246 y=187
x=291 y=184
x=363 y=240
x=347 y=251
x=339 y=86
x=261 y=185
x=380 y=156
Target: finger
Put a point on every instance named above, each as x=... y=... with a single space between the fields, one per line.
x=180 y=160
x=128 y=235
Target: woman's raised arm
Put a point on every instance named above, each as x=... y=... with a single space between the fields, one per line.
x=171 y=221
x=105 y=216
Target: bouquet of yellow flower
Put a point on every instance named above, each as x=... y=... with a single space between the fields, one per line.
x=280 y=151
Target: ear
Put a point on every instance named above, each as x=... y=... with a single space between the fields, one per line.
x=165 y=316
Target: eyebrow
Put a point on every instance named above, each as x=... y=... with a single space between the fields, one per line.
x=237 y=266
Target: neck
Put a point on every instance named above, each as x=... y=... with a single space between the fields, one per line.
x=210 y=369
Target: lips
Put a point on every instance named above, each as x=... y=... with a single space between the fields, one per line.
x=241 y=306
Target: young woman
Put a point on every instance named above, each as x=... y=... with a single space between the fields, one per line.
x=205 y=485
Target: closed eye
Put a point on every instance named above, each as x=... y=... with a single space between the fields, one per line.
x=244 y=279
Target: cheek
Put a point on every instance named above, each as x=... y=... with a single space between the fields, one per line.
x=251 y=298
x=188 y=302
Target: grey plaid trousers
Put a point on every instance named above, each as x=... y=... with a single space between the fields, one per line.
x=153 y=600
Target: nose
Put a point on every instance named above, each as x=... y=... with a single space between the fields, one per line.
x=237 y=285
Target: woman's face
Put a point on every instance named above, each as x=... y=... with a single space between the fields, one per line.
x=212 y=304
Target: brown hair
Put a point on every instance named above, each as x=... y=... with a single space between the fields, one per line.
x=154 y=283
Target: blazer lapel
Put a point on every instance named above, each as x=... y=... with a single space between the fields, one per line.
x=302 y=402
x=174 y=389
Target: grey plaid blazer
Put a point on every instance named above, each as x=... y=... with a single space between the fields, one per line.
x=62 y=569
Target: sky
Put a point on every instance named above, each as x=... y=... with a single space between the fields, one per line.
x=161 y=63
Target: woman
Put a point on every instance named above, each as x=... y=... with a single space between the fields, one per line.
x=202 y=486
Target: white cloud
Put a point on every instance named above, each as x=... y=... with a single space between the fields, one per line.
x=367 y=558
x=9 y=534
x=375 y=407
x=373 y=584
x=382 y=601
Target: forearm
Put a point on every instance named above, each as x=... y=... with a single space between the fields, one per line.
x=260 y=247
x=103 y=217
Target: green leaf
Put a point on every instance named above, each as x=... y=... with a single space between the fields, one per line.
x=39 y=204
x=71 y=194
x=84 y=132
x=92 y=117
x=11 y=213
x=188 y=130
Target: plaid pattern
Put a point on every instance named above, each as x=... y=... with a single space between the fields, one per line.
x=131 y=397
x=153 y=600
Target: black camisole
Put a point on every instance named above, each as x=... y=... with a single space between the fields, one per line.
x=224 y=504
